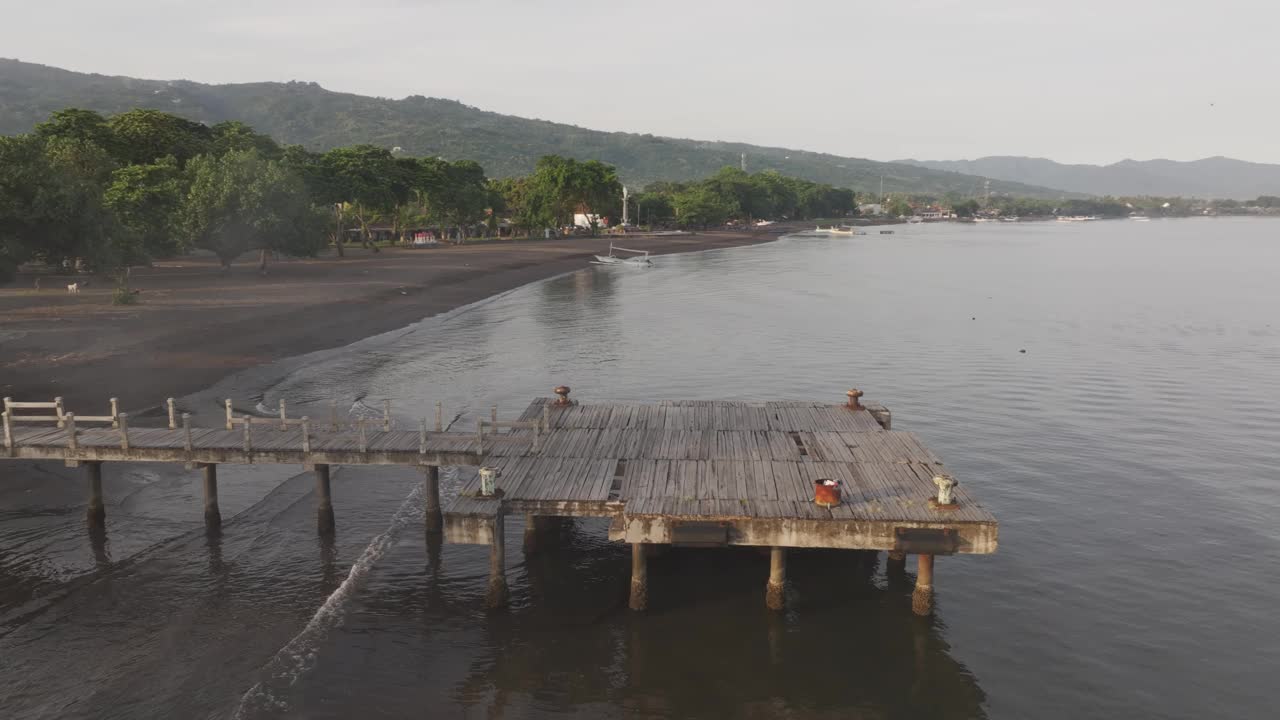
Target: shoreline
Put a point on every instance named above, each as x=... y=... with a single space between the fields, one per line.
x=196 y=326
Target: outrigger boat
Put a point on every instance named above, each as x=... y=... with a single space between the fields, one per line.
x=641 y=257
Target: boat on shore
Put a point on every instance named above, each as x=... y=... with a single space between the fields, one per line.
x=638 y=257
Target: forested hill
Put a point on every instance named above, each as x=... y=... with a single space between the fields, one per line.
x=307 y=114
x=1216 y=177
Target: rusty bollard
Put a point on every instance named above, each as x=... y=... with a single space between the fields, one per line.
x=562 y=392
x=853 y=396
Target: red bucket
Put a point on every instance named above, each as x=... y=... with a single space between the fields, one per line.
x=826 y=492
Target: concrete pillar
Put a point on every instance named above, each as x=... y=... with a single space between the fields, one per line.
x=324 y=502
x=537 y=532
x=922 y=596
x=775 y=593
x=897 y=563
x=497 y=596
x=639 y=577
x=212 y=515
x=434 y=520
x=96 y=514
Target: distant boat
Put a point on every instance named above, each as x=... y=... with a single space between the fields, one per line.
x=640 y=257
x=915 y=219
x=833 y=230
x=1076 y=218
x=1140 y=218
x=1012 y=218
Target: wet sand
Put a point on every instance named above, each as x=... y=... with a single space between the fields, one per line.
x=195 y=324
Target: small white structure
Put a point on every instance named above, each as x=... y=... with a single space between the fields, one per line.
x=586 y=220
x=871 y=209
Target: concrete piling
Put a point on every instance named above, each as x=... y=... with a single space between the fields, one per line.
x=96 y=514
x=433 y=517
x=639 y=577
x=896 y=566
x=212 y=515
x=922 y=596
x=537 y=530
x=324 y=501
x=497 y=595
x=776 y=591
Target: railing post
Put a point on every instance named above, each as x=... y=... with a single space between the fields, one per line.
x=115 y=412
x=60 y=410
x=439 y=416
x=173 y=418
x=364 y=440
x=386 y=416
x=422 y=437
x=333 y=415
x=248 y=444
x=306 y=434
x=284 y=419
x=73 y=442
x=493 y=418
x=8 y=431
x=186 y=431
x=231 y=425
x=124 y=431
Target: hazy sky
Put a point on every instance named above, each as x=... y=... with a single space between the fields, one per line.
x=1080 y=81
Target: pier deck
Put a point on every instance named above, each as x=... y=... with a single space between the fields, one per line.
x=742 y=473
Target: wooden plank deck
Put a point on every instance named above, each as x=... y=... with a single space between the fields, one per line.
x=753 y=466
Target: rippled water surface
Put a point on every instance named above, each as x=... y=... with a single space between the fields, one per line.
x=1130 y=453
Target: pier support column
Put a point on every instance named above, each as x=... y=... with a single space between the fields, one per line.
x=922 y=596
x=639 y=577
x=324 y=502
x=775 y=593
x=497 y=596
x=434 y=520
x=212 y=515
x=96 y=514
x=896 y=564
x=537 y=530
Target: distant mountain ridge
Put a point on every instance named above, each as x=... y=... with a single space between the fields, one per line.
x=319 y=119
x=1215 y=177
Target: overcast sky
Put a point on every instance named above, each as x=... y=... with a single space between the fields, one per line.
x=1083 y=81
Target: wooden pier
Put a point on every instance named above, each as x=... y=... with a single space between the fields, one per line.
x=684 y=473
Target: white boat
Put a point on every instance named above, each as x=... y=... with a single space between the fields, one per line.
x=639 y=257
x=1140 y=218
x=915 y=219
x=833 y=230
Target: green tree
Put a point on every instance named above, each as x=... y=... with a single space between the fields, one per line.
x=147 y=198
x=235 y=135
x=560 y=187
x=702 y=206
x=77 y=124
x=240 y=202
x=365 y=176
x=965 y=208
x=898 y=207
x=654 y=208
x=144 y=136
